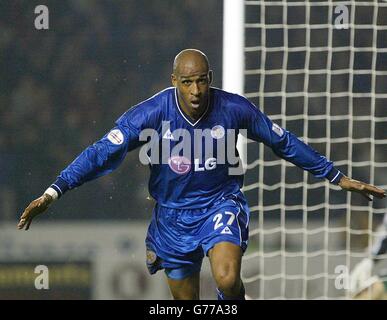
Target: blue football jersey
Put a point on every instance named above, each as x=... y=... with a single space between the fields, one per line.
x=191 y=162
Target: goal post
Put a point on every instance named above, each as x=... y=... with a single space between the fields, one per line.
x=233 y=71
x=318 y=69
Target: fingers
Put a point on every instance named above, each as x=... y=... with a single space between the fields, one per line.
x=376 y=192
x=22 y=223
x=28 y=224
x=365 y=189
x=34 y=208
x=25 y=218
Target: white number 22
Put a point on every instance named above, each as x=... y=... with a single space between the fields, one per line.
x=218 y=217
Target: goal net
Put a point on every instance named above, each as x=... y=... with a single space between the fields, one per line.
x=318 y=69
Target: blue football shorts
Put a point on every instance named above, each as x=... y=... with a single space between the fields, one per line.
x=178 y=239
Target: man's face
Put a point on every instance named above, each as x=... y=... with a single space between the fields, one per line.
x=192 y=80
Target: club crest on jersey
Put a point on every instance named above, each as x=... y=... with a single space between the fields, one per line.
x=179 y=165
x=116 y=137
x=217 y=132
x=150 y=256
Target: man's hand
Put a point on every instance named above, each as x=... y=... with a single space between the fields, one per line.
x=363 y=188
x=34 y=208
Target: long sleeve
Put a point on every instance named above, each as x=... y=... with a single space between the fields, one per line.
x=108 y=153
x=98 y=159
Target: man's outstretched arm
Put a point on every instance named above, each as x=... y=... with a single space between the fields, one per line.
x=289 y=147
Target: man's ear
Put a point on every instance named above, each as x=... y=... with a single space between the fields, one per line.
x=210 y=76
x=174 y=80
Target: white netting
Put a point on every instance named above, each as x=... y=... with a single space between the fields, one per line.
x=329 y=87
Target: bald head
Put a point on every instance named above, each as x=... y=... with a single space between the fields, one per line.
x=190 y=59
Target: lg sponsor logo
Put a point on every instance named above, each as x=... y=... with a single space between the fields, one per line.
x=184 y=150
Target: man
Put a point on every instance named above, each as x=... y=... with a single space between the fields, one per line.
x=200 y=209
x=363 y=284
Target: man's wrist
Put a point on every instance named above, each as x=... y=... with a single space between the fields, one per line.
x=342 y=178
x=334 y=176
x=52 y=193
x=60 y=186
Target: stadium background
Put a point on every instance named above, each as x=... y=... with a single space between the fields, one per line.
x=62 y=89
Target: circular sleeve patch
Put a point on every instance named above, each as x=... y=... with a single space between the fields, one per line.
x=116 y=137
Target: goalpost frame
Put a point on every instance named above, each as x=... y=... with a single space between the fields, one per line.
x=233 y=56
x=233 y=45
